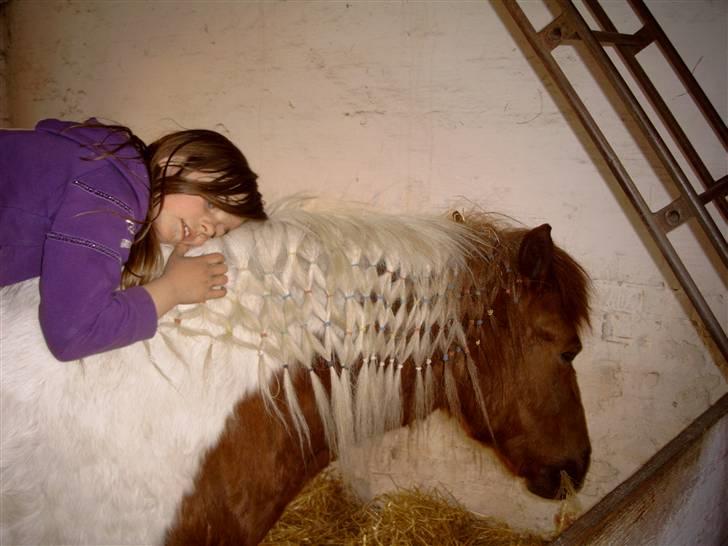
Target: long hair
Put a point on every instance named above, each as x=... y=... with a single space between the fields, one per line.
x=229 y=184
x=172 y=163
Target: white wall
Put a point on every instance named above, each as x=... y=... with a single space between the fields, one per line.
x=412 y=105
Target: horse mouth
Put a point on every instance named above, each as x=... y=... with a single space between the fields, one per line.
x=554 y=483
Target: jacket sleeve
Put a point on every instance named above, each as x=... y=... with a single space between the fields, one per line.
x=82 y=309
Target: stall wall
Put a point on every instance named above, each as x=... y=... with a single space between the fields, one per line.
x=419 y=106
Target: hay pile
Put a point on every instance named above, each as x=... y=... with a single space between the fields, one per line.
x=327 y=513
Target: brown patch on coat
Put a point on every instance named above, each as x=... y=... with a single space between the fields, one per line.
x=249 y=477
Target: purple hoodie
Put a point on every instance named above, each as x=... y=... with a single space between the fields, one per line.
x=68 y=217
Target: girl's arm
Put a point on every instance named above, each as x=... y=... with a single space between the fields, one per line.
x=82 y=312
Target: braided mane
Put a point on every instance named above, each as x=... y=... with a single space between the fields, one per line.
x=356 y=291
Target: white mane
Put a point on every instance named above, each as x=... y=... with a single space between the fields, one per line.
x=357 y=289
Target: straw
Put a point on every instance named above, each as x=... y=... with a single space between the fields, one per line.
x=327 y=513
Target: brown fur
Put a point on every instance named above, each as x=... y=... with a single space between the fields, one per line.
x=534 y=419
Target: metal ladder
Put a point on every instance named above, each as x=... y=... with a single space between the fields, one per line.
x=569 y=25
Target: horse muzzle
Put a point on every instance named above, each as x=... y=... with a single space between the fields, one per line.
x=546 y=481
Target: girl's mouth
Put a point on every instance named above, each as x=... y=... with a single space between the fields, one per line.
x=186 y=232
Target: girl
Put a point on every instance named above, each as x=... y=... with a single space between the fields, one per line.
x=86 y=206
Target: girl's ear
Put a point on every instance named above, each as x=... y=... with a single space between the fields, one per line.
x=535 y=256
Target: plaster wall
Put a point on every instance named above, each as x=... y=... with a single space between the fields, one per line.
x=413 y=106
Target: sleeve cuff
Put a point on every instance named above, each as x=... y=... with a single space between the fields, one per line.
x=140 y=299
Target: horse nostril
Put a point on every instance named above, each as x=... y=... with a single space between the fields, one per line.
x=545 y=482
x=576 y=470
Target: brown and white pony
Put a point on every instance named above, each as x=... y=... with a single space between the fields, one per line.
x=339 y=324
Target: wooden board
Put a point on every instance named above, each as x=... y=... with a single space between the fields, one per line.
x=680 y=496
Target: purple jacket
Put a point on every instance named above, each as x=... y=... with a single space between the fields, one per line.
x=67 y=216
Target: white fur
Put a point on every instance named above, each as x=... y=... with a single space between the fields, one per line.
x=100 y=451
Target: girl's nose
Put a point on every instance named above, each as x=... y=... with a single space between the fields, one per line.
x=207 y=227
x=212 y=229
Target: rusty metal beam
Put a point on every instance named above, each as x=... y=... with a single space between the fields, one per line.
x=639 y=41
x=677 y=213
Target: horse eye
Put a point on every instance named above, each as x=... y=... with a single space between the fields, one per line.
x=568 y=356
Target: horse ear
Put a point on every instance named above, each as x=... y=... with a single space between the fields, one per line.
x=536 y=253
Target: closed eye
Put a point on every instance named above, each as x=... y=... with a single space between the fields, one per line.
x=570 y=355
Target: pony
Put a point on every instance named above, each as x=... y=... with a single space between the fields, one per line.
x=339 y=324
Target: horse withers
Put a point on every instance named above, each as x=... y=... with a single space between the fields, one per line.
x=338 y=325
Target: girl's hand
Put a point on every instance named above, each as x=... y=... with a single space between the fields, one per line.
x=188 y=280
x=196 y=279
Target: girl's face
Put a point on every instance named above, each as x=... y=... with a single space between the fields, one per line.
x=192 y=220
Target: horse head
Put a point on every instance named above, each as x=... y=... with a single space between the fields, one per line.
x=524 y=339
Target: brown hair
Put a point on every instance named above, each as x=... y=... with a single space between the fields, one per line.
x=229 y=184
